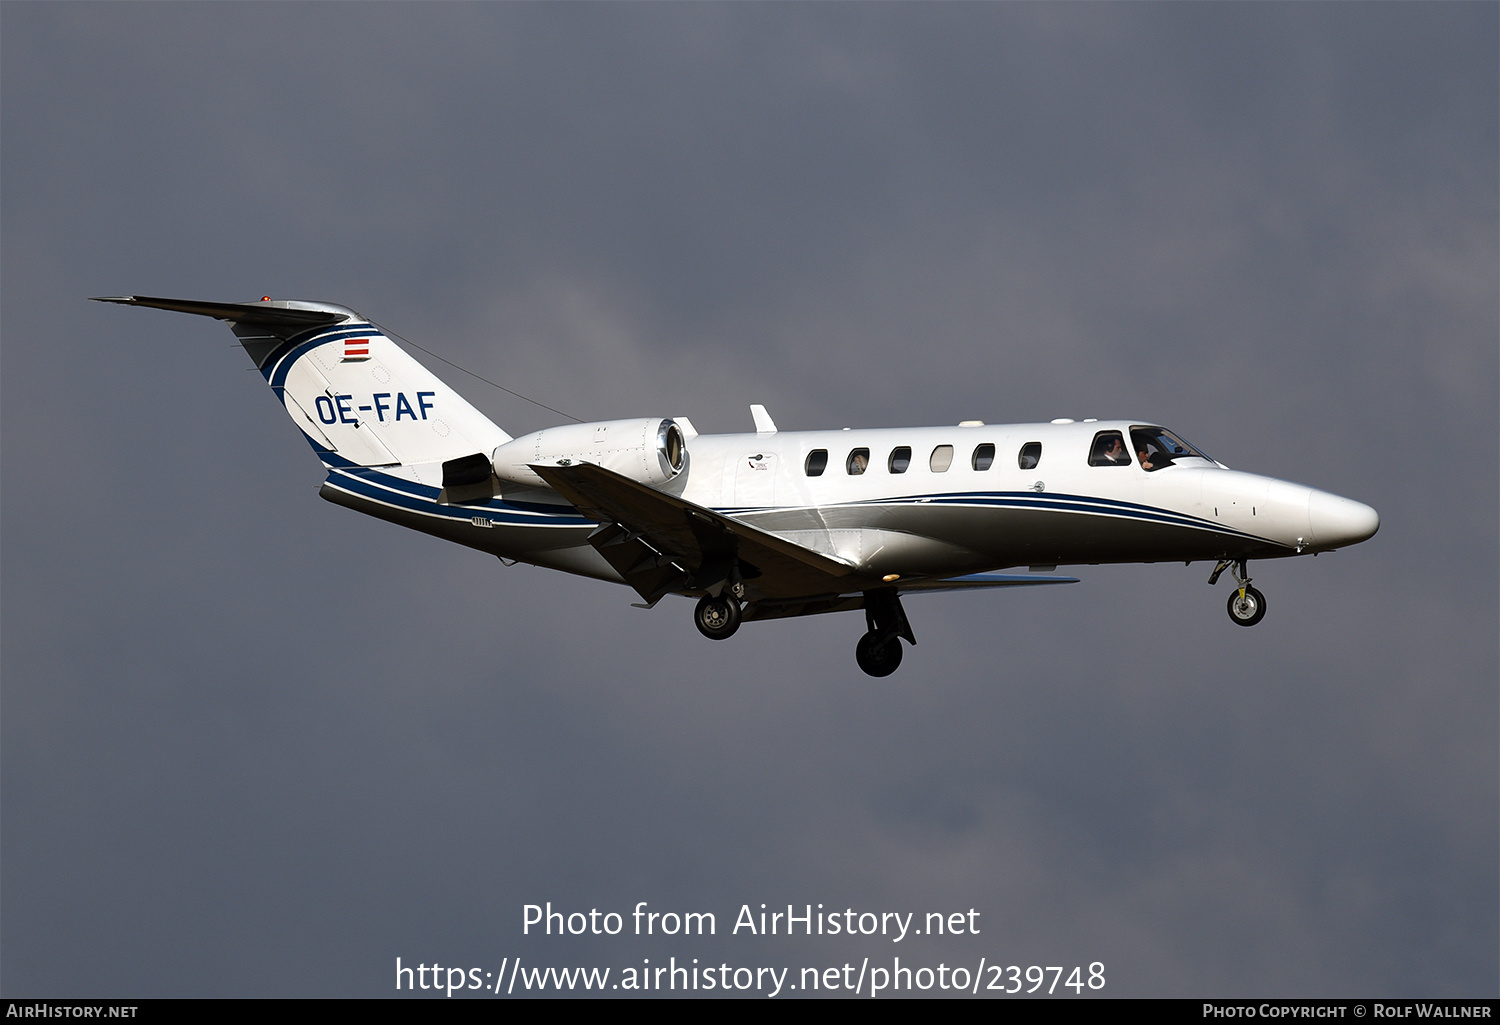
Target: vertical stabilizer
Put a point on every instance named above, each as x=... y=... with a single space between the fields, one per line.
x=356 y=395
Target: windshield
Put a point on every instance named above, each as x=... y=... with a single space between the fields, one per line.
x=1155 y=447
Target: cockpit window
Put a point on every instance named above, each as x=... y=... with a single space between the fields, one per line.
x=900 y=459
x=1109 y=450
x=857 y=462
x=817 y=462
x=1031 y=454
x=1156 y=448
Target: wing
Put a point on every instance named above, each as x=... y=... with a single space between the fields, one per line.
x=908 y=585
x=660 y=543
x=974 y=580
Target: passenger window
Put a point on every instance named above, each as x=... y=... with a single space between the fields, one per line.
x=984 y=457
x=1109 y=450
x=942 y=458
x=858 y=460
x=817 y=462
x=1031 y=454
x=900 y=459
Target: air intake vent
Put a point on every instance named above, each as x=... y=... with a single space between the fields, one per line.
x=473 y=469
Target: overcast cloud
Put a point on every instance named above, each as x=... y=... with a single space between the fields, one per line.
x=254 y=744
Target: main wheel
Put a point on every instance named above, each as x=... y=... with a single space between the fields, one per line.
x=717 y=618
x=1250 y=609
x=877 y=656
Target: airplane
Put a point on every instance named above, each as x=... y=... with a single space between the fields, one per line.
x=774 y=523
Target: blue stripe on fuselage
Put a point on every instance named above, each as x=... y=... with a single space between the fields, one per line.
x=1039 y=502
x=377 y=486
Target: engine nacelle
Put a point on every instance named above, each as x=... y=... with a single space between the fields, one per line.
x=651 y=451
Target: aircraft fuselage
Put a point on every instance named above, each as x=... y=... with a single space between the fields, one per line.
x=924 y=521
x=774 y=523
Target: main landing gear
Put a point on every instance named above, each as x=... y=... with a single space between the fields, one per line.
x=879 y=650
x=1247 y=606
x=717 y=618
x=876 y=655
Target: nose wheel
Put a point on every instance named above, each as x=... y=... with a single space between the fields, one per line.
x=717 y=618
x=1247 y=606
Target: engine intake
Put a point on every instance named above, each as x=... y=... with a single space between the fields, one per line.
x=652 y=451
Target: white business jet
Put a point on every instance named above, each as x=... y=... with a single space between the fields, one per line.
x=774 y=523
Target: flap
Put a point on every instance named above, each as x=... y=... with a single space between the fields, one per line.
x=695 y=542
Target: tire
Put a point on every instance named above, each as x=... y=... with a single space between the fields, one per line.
x=1249 y=611
x=717 y=618
x=877 y=657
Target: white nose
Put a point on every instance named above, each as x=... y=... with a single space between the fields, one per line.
x=1340 y=521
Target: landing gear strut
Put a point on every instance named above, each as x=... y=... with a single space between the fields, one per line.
x=717 y=618
x=879 y=650
x=1247 y=606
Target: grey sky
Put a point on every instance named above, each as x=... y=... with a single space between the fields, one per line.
x=254 y=744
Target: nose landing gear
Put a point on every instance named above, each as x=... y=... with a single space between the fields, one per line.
x=1247 y=606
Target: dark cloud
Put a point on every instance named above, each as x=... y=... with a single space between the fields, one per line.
x=254 y=744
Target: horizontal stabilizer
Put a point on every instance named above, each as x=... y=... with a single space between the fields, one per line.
x=278 y=319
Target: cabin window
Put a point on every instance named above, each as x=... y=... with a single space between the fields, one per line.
x=1031 y=454
x=817 y=462
x=858 y=462
x=942 y=458
x=1156 y=448
x=984 y=457
x=1109 y=450
x=900 y=459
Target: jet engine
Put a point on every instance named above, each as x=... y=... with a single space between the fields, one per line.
x=652 y=451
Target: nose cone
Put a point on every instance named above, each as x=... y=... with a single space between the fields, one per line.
x=1337 y=522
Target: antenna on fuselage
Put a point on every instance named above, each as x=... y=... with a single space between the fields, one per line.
x=763 y=422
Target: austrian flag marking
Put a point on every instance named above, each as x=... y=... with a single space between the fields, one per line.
x=356 y=350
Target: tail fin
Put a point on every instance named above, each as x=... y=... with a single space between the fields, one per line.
x=356 y=395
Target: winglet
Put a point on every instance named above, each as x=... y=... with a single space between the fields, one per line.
x=763 y=422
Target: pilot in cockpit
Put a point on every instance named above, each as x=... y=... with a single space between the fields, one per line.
x=1109 y=450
